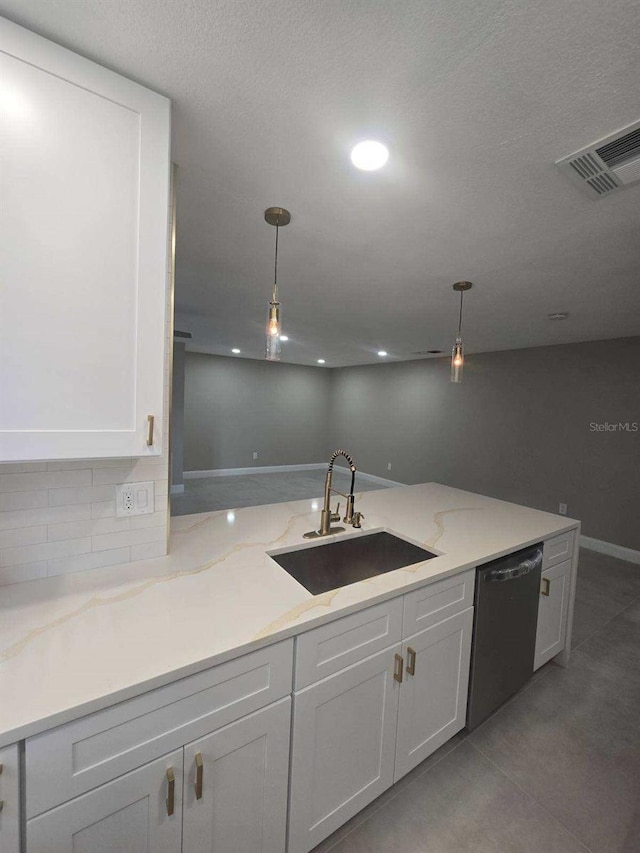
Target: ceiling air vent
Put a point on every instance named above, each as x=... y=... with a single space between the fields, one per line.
x=609 y=164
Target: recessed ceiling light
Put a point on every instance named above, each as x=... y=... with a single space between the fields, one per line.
x=369 y=155
x=284 y=337
x=382 y=352
x=235 y=351
x=321 y=361
x=559 y=315
x=434 y=351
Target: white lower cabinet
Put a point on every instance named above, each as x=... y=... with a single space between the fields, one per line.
x=361 y=729
x=343 y=747
x=231 y=798
x=135 y=813
x=9 y=799
x=236 y=781
x=552 y=612
x=201 y=764
x=433 y=698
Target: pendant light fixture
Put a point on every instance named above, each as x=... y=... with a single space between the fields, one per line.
x=278 y=217
x=457 y=354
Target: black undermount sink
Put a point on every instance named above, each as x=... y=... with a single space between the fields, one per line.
x=344 y=561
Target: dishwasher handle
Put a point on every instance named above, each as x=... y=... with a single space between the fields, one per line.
x=526 y=566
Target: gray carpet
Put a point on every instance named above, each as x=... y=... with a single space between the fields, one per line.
x=212 y=493
x=557 y=770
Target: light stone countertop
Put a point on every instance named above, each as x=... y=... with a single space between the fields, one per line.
x=76 y=643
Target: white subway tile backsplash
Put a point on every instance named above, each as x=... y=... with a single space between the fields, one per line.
x=22 y=467
x=148 y=550
x=92 y=527
x=119 y=462
x=131 y=474
x=154 y=519
x=86 y=495
x=161 y=503
x=128 y=537
x=23 y=536
x=44 y=480
x=23 y=500
x=162 y=487
x=84 y=562
x=44 y=515
x=103 y=509
x=43 y=551
x=24 y=572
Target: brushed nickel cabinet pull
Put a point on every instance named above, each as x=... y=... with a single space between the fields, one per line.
x=171 y=791
x=199 y=775
x=411 y=661
x=397 y=669
x=546 y=586
x=150 y=420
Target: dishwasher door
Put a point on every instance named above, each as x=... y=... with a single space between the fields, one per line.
x=504 y=630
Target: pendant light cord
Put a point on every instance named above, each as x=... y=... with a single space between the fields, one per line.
x=275 y=265
x=460 y=318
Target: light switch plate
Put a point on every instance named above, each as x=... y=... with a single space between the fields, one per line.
x=134 y=499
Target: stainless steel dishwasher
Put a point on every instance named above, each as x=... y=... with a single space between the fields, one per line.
x=504 y=630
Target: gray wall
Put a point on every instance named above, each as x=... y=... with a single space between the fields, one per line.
x=517 y=428
x=234 y=406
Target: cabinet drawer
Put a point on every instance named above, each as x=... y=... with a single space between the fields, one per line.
x=339 y=644
x=440 y=600
x=558 y=549
x=81 y=755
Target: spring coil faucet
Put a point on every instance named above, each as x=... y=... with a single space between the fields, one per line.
x=326 y=516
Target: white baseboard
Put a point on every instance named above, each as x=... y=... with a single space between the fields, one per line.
x=612 y=550
x=264 y=469
x=177 y=489
x=375 y=479
x=275 y=469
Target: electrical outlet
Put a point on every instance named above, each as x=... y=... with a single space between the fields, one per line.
x=562 y=509
x=255 y=454
x=388 y=466
x=134 y=499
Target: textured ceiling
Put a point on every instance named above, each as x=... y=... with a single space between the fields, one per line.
x=476 y=100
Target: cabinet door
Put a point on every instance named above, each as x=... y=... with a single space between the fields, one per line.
x=552 y=612
x=344 y=733
x=84 y=215
x=433 y=699
x=9 y=800
x=128 y=815
x=236 y=802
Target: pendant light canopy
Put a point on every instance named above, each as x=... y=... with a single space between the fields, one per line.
x=278 y=217
x=457 y=354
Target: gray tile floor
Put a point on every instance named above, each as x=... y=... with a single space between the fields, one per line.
x=556 y=770
x=212 y=493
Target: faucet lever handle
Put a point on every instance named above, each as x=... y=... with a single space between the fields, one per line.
x=335 y=516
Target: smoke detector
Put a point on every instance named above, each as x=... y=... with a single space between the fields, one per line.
x=607 y=165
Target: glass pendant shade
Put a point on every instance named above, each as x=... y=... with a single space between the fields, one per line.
x=457 y=361
x=457 y=353
x=274 y=328
x=278 y=217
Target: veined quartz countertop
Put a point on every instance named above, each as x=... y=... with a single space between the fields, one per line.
x=76 y=643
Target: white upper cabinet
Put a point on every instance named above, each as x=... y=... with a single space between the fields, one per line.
x=84 y=216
